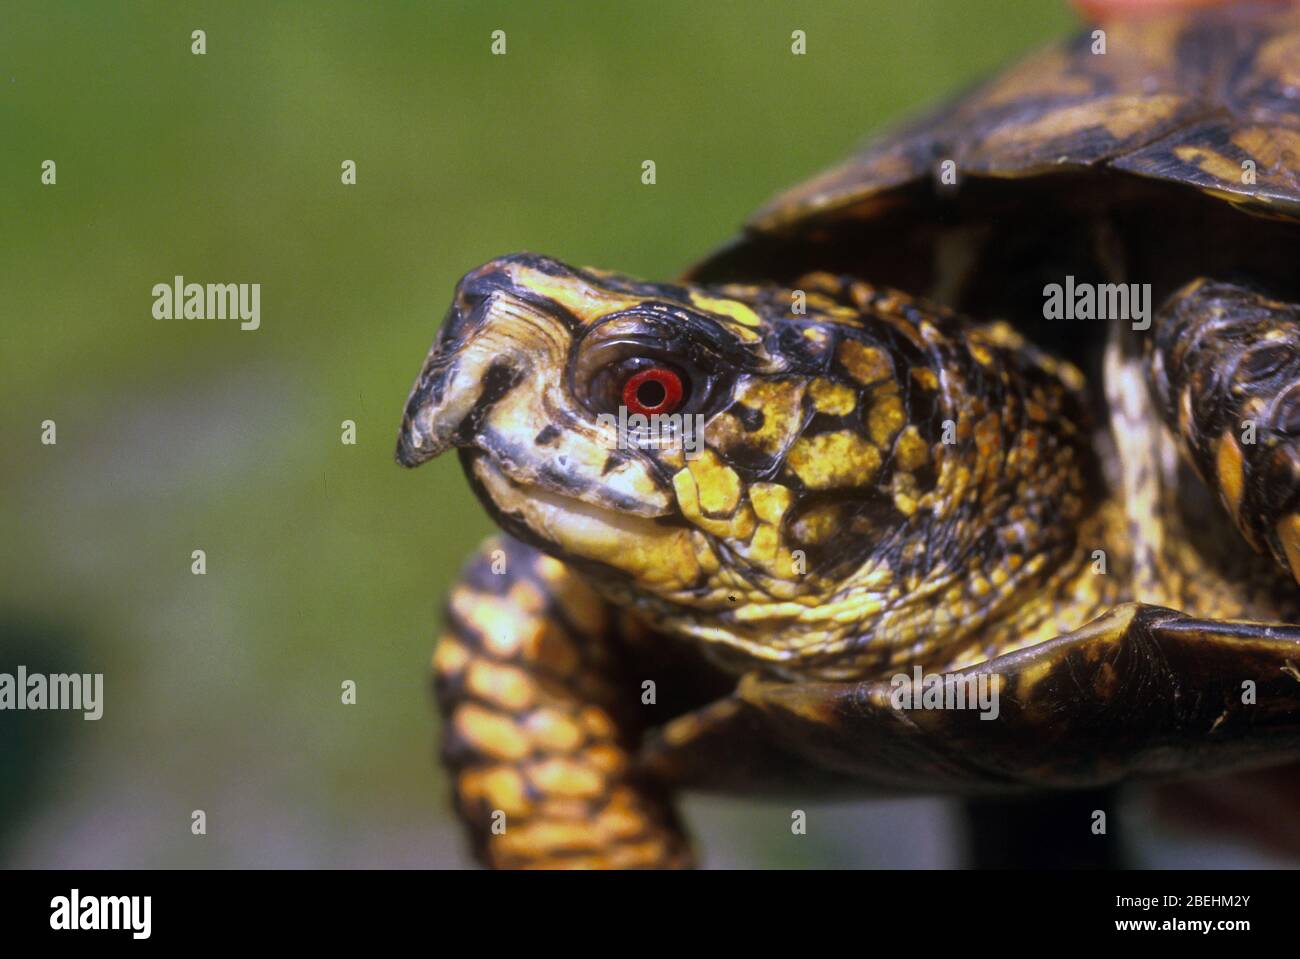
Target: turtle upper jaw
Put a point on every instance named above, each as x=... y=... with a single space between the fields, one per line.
x=481 y=352
x=444 y=403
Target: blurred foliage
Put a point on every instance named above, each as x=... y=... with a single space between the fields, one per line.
x=327 y=562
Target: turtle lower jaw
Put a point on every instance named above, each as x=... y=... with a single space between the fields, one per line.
x=551 y=514
x=510 y=488
x=643 y=554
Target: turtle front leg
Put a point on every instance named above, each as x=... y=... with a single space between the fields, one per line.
x=540 y=723
x=1224 y=365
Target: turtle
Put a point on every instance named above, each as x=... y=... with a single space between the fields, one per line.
x=970 y=467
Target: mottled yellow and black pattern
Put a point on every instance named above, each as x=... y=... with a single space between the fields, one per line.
x=938 y=478
x=1184 y=99
x=1225 y=369
x=541 y=722
x=880 y=481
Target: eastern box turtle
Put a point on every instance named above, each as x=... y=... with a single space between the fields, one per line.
x=1011 y=399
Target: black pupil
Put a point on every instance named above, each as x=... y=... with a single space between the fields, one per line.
x=650 y=394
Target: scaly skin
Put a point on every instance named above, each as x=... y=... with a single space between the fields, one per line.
x=539 y=723
x=882 y=484
x=829 y=527
x=1225 y=372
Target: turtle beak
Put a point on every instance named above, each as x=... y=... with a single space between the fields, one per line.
x=433 y=414
x=454 y=390
x=464 y=373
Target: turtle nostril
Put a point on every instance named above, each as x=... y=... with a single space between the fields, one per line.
x=470 y=300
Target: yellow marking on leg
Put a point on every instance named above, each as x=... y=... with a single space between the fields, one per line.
x=610 y=760
x=566 y=777
x=490 y=733
x=497 y=787
x=533 y=840
x=499 y=624
x=597 y=723
x=553 y=731
x=503 y=686
x=449 y=657
x=526 y=596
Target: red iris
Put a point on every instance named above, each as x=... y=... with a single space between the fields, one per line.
x=653 y=390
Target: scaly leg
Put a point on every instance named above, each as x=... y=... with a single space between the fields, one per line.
x=1224 y=366
x=540 y=722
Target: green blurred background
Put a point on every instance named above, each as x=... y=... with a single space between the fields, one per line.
x=327 y=562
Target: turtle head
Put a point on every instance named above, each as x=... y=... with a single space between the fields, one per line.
x=587 y=408
x=578 y=385
x=754 y=466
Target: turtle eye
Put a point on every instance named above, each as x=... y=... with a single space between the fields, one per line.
x=642 y=384
x=652 y=390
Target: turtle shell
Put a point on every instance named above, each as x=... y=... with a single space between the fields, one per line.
x=1207 y=102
